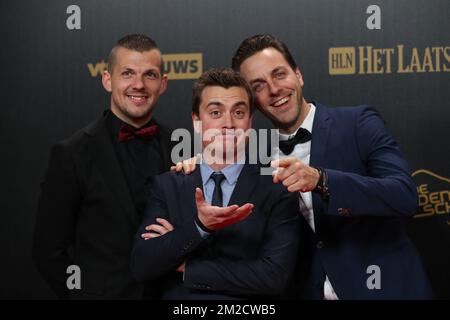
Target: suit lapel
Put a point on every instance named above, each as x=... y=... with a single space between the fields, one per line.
x=166 y=146
x=102 y=152
x=190 y=182
x=245 y=185
x=319 y=141
x=320 y=133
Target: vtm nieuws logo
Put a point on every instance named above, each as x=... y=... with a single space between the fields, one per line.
x=176 y=66
x=397 y=59
x=434 y=195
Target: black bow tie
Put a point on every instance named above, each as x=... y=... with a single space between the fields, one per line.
x=302 y=136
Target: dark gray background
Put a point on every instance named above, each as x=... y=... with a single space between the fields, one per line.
x=47 y=92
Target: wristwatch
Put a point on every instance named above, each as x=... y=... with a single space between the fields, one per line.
x=322 y=185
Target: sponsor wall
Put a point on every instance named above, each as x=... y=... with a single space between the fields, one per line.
x=392 y=54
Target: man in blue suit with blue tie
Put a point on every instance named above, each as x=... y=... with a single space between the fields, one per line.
x=354 y=184
x=225 y=231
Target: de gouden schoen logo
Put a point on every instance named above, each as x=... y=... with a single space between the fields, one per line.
x=398 y=59
x=177 y=66
x=434 y=195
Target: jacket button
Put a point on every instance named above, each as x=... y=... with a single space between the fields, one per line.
x=319 y=244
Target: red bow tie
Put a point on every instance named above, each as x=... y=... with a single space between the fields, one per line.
x=128 y=132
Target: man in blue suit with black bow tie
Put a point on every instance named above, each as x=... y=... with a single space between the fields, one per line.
x=354 y=184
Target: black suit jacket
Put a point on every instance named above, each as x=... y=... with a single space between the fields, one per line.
x=87 y=217
x=250 y=258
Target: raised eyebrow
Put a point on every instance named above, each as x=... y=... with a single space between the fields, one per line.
x=128 y=69
x=252 y=82
x=240 y=104
x=277 y=69
x=214 y=104
x=152 y=70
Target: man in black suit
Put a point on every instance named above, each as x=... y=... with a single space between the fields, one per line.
x=225 y=231
x=97 y=182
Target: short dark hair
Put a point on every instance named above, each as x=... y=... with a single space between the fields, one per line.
x=257 y=43
x=136 y=42
x=220 y=77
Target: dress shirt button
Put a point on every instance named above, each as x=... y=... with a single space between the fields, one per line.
x=319 y=244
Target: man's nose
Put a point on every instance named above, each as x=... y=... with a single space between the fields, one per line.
x=138 y=83
x=274 y=89
x=228 y=121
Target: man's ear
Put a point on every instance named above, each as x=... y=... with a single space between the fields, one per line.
x=163 y=87
x=196 y=123
x=299 y=76
x=106 y=81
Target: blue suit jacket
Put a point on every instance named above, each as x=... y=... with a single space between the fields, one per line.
x=254 y=257
x=361 y=224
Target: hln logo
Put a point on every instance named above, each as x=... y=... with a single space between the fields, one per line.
x=341 y=60
x=397 y=59
x=176 y=66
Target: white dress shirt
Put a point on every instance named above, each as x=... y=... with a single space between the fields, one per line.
x=302 y=151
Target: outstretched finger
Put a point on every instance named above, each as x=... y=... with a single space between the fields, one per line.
x=237 y=215
x=283 y=162
x=224 y=211
x=243 y=212
x=276 y=175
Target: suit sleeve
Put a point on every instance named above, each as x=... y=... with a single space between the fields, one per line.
x=266 y=274
x=59 y=204
x=387 y=188
x=155 y=257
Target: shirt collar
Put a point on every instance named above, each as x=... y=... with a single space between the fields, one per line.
x=230 y=172
x=306 y=124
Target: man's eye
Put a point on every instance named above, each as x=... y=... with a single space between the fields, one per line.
x=152 y=75
x=258 y=87
x=280 y=75
x=240 y=113
x=215 y=114
x=126 y=73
